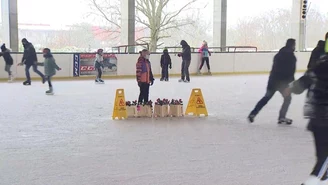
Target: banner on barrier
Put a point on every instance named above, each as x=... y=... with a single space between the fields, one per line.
x=84 y=65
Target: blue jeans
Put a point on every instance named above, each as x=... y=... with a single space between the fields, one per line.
x=35 y=69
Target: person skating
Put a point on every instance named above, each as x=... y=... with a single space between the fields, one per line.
x=8 y=60
x=282 y=73
x=144 y=76
x=99 y=65
x=205 y=54
x=30 y=60
x=50 y=68
x=186 y=59
x=166 y=64
x=315 y=81
x=317 y=53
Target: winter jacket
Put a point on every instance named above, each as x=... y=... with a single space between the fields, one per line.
x=186 y=51
x=317 y=53
x=315 y=80
x=99 y=61
x=29 y=54
x=6 y=55
x=283 y=69
x=144 y=73
x=205 y=52
x=50 y=66
x=166 y=60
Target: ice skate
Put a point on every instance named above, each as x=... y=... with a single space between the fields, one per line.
x=166 y=79
x=186 y=81
x=44 y=80
x=285 y=121
x=312 y=181
x=26 y=83
x=181 y=80
x=209 y=73
x=251 y=118
x=101 y=81
x=50 y=91
x=199 y=73
x=97 y=81
x=161 y=79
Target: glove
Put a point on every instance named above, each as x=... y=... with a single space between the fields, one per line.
x=152 y=82
x=179 y=55
x=170 y=67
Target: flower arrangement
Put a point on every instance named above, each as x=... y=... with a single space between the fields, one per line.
x=133 y=103
x=150 y=103
x=176 y=102
x=162 y=102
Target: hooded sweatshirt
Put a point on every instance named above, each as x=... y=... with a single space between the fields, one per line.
x=317 y=53
x=29 y=54
x=186 y=51
x=49 y=64
x=166 y=59
x=6 y=55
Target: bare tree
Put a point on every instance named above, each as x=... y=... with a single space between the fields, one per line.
x=152 y=14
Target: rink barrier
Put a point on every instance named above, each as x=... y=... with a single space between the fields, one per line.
x=221 y=64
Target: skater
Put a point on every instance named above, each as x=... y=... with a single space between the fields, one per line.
x=316 y=110
x=186 y=59
x=282 y=73
x=316 y=54
x=205 y=54
x=99 y=65
x=8 y=60
x=30 y=60
x=50 y=68
x=144 y=76
x=165 y=65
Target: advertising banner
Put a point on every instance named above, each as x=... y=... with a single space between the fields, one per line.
x=84 y=65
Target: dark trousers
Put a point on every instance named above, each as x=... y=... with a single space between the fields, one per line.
x=207 y=60
x=185 y=70
x=165 y=72
x=35 y=69
x=99 y=73
x=320 y=135
x=144 y=93
x=7 y=69
x=49 y=81
x=268 y=95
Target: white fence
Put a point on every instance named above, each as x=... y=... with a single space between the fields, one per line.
x=220 y=63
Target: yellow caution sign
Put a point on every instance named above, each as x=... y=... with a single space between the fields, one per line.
x=119 y=111
x=196 y=105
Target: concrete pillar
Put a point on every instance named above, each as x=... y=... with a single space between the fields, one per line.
x=128 y=23
x=296 y=25
x=10 y=24
x=220 y=23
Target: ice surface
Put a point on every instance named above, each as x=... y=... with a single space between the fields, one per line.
x=69 y=138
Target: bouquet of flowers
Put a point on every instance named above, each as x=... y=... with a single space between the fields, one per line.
x=131 y=108
x=145 y=110
x=176 y=102
x=162 y=102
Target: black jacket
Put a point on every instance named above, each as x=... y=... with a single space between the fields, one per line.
x=166 y=60
x=316 y=54
x=283 y=69
x=315 y=80
x=29 y=54
x=6 y=55
x=186 y=51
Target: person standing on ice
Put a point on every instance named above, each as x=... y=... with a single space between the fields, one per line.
x=8 y=60
x=205 y=54
x=99 y=65
x=166 y=64
x=282 y=73
x=315 y=81
x=30 y=60
x=50 y=68
x=144 y=76
x=186 y=60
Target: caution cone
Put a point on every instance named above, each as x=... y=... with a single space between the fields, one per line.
x=119 y=111
x=196 y=105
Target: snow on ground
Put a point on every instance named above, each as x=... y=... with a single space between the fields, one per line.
x=70 y=139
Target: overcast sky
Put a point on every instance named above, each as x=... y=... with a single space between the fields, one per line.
x=66 y=12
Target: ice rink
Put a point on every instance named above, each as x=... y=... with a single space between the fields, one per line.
x=70 y=139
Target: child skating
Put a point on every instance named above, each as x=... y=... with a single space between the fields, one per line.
x=166 y=64
x=205 y=54
x=5 y=53
x=99 y=66
x=50 y=68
